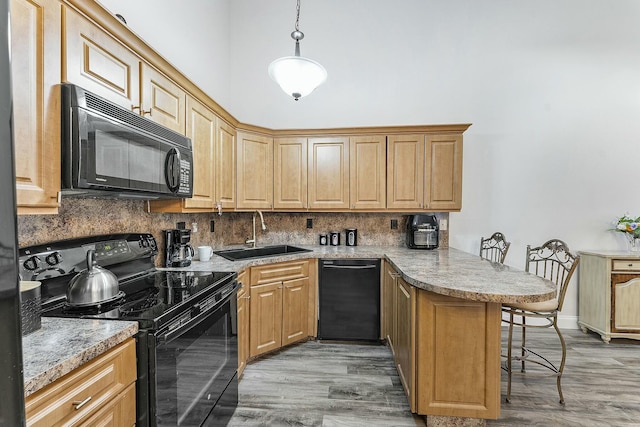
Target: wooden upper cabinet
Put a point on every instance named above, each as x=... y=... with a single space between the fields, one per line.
x=35 y=65
x=405 y=171
x=225 y=165
x=201 y=128
x=290 y=173
x=328 y=173
x=443 y=172
x=96 y=61
x=368 y=172
x=162 y=100
x=255 y=171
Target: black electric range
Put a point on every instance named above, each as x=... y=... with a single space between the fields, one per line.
x=187 y=339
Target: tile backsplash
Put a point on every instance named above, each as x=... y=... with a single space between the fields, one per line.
x=84 y=217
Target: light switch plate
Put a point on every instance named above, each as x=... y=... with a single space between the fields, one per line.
x=443 y=224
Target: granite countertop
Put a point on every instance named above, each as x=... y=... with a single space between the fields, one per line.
x=62 y=345
x=445 y=271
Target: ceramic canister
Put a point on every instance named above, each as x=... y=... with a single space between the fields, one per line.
x=351 y=237
x=334 y=238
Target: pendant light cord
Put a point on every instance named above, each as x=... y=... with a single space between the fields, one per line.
x=298 y=16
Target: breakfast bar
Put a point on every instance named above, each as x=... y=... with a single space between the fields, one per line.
x=441 y=316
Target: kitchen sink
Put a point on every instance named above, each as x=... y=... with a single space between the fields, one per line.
x=266 y=251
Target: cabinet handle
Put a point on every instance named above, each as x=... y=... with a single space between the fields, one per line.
x=82 y=403
x=140 y=110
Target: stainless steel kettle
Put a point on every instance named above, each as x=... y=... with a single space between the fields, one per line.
x=92 y=286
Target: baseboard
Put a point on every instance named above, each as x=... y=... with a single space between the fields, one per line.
x=568 y=322
x=564 y=322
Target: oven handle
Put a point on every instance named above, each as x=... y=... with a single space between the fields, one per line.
x=192 y=323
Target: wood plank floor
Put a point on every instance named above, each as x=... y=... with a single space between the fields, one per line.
x=345 y=384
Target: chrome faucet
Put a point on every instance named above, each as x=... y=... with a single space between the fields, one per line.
x=263 y=226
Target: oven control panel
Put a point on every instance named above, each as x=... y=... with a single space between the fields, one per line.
x=66 y=257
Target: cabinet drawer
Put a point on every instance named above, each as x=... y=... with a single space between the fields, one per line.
x=96 y=383
x=279 y=272
x=626 y=265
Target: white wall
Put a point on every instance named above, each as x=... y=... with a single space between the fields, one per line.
x=192 y=35
x=552 y=89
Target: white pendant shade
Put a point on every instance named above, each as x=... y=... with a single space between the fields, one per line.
x=297 y=76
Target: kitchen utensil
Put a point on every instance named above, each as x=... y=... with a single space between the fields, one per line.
x=92 y=286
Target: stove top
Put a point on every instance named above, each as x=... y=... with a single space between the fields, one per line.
x=153 y=298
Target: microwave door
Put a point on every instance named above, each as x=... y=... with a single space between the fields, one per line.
x=107 y=159
x=145 y=159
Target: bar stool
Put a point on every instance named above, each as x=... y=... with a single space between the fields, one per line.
x=555 y=262
x=494 y=248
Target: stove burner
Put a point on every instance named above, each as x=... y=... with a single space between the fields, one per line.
x=94 y=308
x=141 y=301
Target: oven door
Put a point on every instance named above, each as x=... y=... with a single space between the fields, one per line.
x=194 y=368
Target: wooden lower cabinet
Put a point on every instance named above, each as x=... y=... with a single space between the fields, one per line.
x=243 y=322
x=101 y=392
x=457 y=356
x=389 y=278
x=405 y=340
x=446 y=350
x=281 y=306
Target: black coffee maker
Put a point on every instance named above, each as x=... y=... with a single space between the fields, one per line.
x=422 y=231
x=178 y=251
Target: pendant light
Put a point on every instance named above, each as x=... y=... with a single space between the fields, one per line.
x=297 y=76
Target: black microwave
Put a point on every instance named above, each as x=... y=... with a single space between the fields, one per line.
x=108 y=151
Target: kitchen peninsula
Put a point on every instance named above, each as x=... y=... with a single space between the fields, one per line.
x=440 y=315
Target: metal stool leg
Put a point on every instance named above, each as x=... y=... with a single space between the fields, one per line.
x=510 y=340
x=564 y=357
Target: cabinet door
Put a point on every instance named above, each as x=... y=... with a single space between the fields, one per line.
x=243 y=322
x=443 y=172
x=295 y=310
x=225 y=164
x=405 y=338
x=458 y=371
x=368 y=172
x=626 y=303
x=328 y=170
x=35 y=47
x=255 y=171
x=405 y=171
x=119 y=412
x=95 y=61
x=290 y=173
x=201 y=128
x=162 y=100
x=388 y=303
x=265 y=318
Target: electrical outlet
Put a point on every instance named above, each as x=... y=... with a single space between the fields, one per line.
x=194 y=227
x=394 y=224
x=211 y=226
x=442 y=224
x=309 y=222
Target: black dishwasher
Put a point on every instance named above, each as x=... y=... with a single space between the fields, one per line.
x=349 y=299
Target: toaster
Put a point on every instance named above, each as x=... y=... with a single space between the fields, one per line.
x=422 y=231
